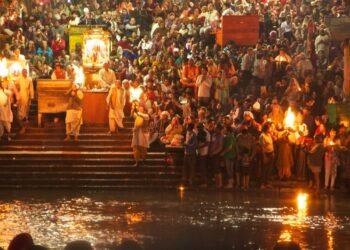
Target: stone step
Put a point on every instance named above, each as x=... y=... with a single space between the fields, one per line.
x=101 y=186
x=29 y=160
x=60 y=142
x=33 y=122
x=87 y=148
x=82 y=136
x=9 y=175
x=61 y=123
x=90 y=168
x=40 y=159
x=96 y=148
x=92 y=181
x=84 y=129
x=74 y=154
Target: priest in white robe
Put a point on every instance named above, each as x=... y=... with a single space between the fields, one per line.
x=116 y=102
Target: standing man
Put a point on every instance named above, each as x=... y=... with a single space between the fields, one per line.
x=245 y=143
x=203 y=137
x=74 y=116
x=106 y=76
x=6 y=116
x=215 y=148
x=140 y=137
x=116 y=103
x=203 y=83
x=26 y=94
x=247 y=66
x=322 y=42
x=266 y=143
x=190 y=145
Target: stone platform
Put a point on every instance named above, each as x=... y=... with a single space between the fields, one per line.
x=41 y=159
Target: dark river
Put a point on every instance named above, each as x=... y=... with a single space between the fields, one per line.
x=177 y=219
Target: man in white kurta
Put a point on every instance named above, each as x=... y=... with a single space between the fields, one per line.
x=6 y=116
x=26 y=94
x=106 y=77
x=74 y=115
x=203 y=84
x=116 y=103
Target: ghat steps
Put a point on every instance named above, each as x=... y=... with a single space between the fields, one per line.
x=41 y=159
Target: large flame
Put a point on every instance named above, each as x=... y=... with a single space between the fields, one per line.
x=302 y=201
x=289 y=120
x=3 y=68
x=135 y=94
x=15 y=69
x=79 y=75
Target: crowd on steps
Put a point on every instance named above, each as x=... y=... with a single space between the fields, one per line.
x=238 y=112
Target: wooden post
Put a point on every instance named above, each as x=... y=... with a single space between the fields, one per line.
x=346 y=85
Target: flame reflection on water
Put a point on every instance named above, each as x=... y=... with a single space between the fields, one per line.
x=107 y=221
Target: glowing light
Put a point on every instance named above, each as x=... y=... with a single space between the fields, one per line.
x=79 y=75
x=331 y=143
x=302 y=201
x=285 y=236
x=135 y=94
x=181 y=188
x=95 y=50
x=3 y=68
x=332 y=223
x=15 y=69
x=134 y=218
x=289 y=120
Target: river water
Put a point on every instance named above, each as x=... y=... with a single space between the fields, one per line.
x=177 y=219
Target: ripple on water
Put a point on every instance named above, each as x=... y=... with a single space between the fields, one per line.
x=107 y=220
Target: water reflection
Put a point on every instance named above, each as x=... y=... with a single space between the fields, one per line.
x=171 y=220
x=331 y=222
x=302 y=202
x=285 y=236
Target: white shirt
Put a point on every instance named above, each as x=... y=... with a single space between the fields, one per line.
x=247 y=62
x=228 y=12
x=321 y=43
x=146 y=45
x=266 y=143
x=285 y=27
x=106 y=78
x=259 y=68
x=204 y=150
x=203 y=83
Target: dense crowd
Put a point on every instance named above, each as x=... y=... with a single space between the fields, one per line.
x=227 y=106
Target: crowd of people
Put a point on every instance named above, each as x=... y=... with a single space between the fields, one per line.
x=227 y=106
